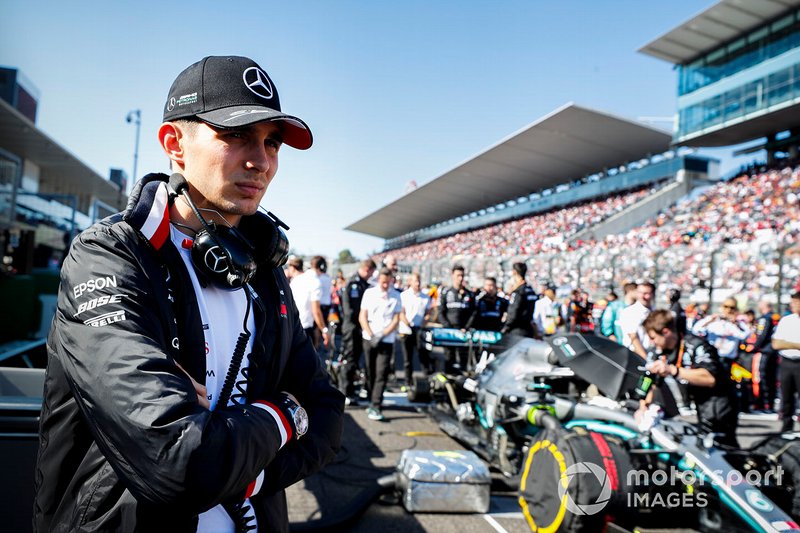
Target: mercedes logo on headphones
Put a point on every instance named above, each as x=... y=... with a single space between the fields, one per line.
x=216 y=261
x=257 y=81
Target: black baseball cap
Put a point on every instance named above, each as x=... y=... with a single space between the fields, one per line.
x=232 y=91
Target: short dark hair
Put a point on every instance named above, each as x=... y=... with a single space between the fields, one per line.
x=319 y=262
x=658 y=320
x=796 y=295
x=520 y=268
x=612 y=295
x=367 y=263
x=491 y=278
x=457 y=267
x=647 y=284
x=629 y=287
x=295 y=262
x=386 y=271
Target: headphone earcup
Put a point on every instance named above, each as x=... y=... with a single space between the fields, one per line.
x=225 y=257
x=272 y=248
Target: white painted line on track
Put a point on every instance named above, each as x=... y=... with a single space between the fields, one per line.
x=492 y=522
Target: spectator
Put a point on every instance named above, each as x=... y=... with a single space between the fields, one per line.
x=416 y=311
x=490 y=309
x=379 y=318
x=765 y=379
x=546 y=313
x=724 y=331
x=456 y=304
x=519 y=319
x=307 y=292
x=786 y=340
x=352 y=345
x=631 y=318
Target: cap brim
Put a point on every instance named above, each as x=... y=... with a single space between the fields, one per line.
x=296 y=133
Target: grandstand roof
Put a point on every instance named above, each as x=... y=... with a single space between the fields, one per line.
x=60 y=172
x=565 y=145
x=713 y=27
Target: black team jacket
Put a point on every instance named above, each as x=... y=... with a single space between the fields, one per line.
x=124 y=444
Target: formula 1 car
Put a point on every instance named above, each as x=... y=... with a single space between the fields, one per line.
x=581 y=462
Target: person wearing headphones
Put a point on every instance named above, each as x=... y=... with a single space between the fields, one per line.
x=182 y=393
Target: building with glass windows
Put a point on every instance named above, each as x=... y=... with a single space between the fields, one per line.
x=738 y=67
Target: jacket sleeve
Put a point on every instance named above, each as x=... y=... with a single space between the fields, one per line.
x=348 y=309
x=140 y=407
x=512 y=313
x=444 y=318
x=310 y=383
x=764 y=334
x=607 y=320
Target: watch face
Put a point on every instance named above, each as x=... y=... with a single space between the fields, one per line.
x=301 y=421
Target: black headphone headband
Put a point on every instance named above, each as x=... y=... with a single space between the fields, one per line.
x=223 y=254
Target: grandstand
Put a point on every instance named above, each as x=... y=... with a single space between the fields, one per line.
x=738 y=66
x=45 y=192
x=565 y=178
x=46 y=196
x=590 y=200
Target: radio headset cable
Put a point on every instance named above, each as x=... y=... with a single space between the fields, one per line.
x=237 y=510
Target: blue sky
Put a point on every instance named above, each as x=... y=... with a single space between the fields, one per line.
x=393 y=91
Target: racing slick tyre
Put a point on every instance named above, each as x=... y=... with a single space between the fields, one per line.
x=574 y=481
x=420 y=390
x=784 y=488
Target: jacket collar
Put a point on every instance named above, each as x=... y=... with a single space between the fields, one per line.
x=148 y=209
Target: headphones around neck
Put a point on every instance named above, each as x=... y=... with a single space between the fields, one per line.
x=223 y=254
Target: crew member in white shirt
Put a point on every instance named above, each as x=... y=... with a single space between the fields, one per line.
x=723 y=331
x=320 y=266
x=379 y=317
x=416 y=309
x=786 y=340
x=546 y=312
x=632 y=317
x=307 y=291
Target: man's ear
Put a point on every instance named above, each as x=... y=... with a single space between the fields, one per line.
x=170 y=137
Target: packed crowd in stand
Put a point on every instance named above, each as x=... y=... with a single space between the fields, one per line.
x=747 y=227
x=529 y=235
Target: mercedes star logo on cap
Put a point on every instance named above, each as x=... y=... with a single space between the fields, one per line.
x=257 y=81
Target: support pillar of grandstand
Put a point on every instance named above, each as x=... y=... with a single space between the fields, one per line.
x=770 y=144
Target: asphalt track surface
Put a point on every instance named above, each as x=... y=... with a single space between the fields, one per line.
x=372 y=449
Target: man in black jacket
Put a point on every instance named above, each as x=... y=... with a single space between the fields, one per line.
x=456 y=304
x=352 y=345
x=768 y=359
x=182 y=393
x=490 y=309
x=519 y=320
x=695 y=362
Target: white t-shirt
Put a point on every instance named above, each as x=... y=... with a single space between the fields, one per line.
x=381 y=308
x=545 y=315
x=415 y=305
x=222 y=312
x=630 y=321
x=788 y=330
x=306 y=288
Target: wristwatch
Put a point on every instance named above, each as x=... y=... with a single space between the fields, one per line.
x=299 y=416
